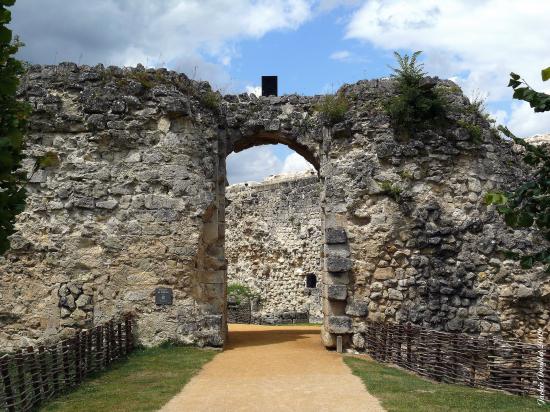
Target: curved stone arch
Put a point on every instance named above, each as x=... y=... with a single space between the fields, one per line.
x=263 y=137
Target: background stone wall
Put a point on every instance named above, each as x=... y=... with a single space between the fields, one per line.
x=273 y=241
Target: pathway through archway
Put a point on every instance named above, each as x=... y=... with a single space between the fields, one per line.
x=274 y=368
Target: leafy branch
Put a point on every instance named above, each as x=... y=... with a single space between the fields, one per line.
x=528 y=206
x=539 y=101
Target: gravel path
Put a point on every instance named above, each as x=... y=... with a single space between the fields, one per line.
x=274 y=368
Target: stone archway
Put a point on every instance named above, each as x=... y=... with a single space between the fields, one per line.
x=234 y=142
x=311 y=142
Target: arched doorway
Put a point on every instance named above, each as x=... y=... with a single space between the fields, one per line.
x=273 y=238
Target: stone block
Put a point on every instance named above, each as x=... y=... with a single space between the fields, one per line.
x=394 y=294
x=107 y=204
x=338 y=264
x=383 y=273
x=329 y=341
x=336 y=292
x=336 y=278
x=357 y=308
x=83 y=300
x=84 y=203
x=339 y=324
x=335 y=235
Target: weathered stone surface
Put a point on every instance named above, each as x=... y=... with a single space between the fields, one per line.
x=339 y=324
x=335 y=235
x=336 y=292
x=383 y=273
x=357 y=308
x=337 y=263
x=272 y=244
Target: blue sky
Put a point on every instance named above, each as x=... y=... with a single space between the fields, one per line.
x=314 y=46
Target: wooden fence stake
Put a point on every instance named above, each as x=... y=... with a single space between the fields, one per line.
x=6 y=380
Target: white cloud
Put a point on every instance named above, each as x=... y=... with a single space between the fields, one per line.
x=295 y=163
x=255 y=164
x=340 y=55
x=500 y=116
x=257 y=90
x=162 y=32
x=479 y=41
x=524 y=122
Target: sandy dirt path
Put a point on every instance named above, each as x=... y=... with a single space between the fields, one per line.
x=274 y=368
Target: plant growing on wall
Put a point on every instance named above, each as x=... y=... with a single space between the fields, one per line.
x=529 y=204
x=240 y=292
x=333 y=108
x=13 y=116
x=417 y=102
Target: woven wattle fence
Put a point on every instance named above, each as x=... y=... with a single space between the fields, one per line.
x=33 y=375
x=516 y=367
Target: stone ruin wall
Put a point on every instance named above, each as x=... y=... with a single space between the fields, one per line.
x=273 y=241
x=135 y=200
x=120 y=211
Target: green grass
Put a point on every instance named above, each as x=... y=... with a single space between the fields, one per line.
x=145 y=382
x=400 y=391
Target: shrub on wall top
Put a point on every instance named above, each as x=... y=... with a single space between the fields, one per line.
x=417 y=102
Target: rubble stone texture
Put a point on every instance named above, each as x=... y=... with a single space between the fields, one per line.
x=133 y=198
x=273 y=242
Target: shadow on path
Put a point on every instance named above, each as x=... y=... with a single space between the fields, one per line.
x=240 y=339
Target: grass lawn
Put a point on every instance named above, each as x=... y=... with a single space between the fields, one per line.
x=400 y=391
x=144 y=382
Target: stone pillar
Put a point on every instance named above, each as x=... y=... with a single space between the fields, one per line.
x=337 y=267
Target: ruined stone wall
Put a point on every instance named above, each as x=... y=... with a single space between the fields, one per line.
x=273 y=242
x=423 y=245
x=132 y=198
x=119 y=209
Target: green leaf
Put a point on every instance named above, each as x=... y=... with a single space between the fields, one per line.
x=514 y=83
x=545 y=74
x=524 y=219
x=520 y=93
x=5 y=35
x=511 y=218
x=515 y=76
x=526 y=262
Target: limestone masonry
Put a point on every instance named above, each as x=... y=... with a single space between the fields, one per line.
x=132 y=198
x=273 y=244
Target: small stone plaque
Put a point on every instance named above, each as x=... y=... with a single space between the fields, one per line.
x=163 y=296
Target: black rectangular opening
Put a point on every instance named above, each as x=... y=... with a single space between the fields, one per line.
x=311 y=281
x=269 y=86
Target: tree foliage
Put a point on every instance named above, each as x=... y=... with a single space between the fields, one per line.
x=240 y=292
x=417 y=102
x=13 y=116
x=529 y=205
x=540 y=102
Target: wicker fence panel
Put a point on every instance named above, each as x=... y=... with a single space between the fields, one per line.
x=516 y=367
x=33 y=375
